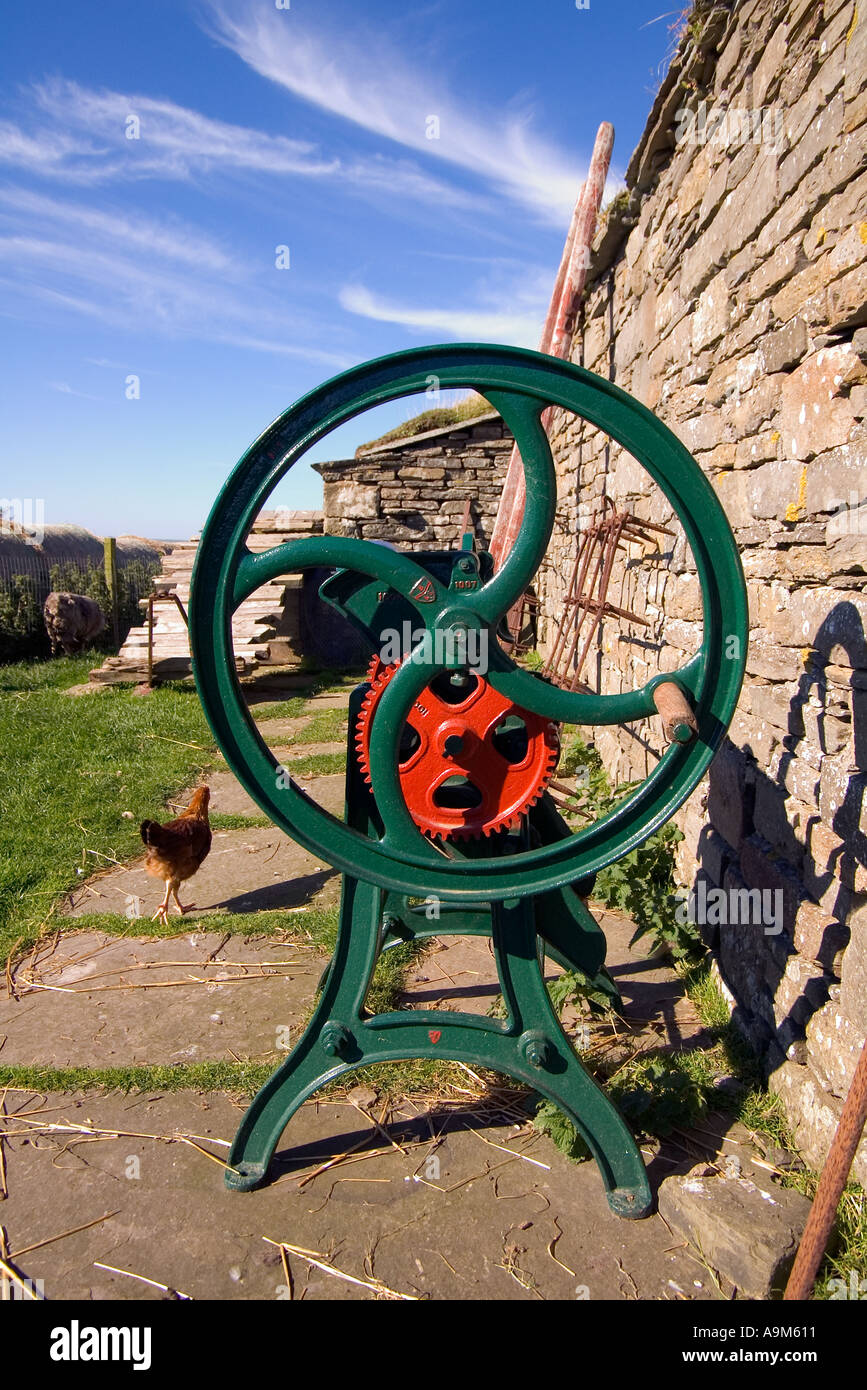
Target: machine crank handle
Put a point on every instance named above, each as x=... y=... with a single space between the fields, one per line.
x=679 y=723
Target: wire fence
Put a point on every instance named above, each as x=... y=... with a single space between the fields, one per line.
x=28 y=577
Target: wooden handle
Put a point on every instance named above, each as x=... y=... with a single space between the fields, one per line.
x=678 y=721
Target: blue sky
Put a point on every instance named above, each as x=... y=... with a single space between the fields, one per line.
x=260 y=127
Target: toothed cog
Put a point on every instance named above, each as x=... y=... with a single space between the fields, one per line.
x=471 y=763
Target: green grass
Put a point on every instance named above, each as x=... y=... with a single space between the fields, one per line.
x=243 y=1078
x=49 y=675
x=317 y=765
x=80 y=762
x=326 y=726
x=229 y=820
x=326 y=682
x=438 y=418
x=315 y=924
x=292 y=708
x=72 y=766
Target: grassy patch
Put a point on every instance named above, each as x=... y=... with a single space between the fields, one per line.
x=242 y=1078
x=420 y=1076
x=326 y=726
x=229 y=820
x=79 y=763
x=48 y=675
x=641 y=884
x=326 y=683
x=317 y=925
x=435 y=419
x=279 y=709
x=851 y=1251
x=389 y=976
x=317 y=765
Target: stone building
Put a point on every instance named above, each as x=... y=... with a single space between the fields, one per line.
x=727 y=292
x=413 y=491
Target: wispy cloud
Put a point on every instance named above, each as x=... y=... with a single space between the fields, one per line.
x=126 y=291
x=402 y=179
x=44 y=151
x=519 y=325
x=81 y=136
x=366 y=81
x=66 y=390
x=141 y=136
x=170 y=240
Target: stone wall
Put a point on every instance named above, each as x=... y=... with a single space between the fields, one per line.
x=413 y=491
x=727 y=292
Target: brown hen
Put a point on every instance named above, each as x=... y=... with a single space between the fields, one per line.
x=178 y=849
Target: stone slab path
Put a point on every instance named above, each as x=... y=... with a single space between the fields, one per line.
x=485 y=1212
x=102 y=1001
x=246 y=871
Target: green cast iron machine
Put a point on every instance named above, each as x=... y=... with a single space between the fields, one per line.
x=448 y=828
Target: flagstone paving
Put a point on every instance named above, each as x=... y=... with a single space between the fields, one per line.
x=96 y=1000
x=448 y=1208
x=445 y=1205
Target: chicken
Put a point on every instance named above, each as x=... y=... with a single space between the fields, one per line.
x=177 y=850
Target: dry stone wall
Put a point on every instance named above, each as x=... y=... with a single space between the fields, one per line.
x=727 y=292
x=413 y=491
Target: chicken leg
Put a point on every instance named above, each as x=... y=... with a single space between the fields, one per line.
x=162 y=912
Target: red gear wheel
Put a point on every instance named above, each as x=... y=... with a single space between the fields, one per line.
x=462 y=775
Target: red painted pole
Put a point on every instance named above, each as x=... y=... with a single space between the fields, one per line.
x=515 y=472
x=831 y=1185
x=557 y=333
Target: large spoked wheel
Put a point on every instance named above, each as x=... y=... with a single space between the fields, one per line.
x=520 y=384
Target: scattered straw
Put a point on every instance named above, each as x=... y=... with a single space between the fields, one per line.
x=318 y=1261
x=503 y=1149
x=93 y=1133
x=49 y=1240
x=287 y=1273
x=550 y=1248
x=377 y=1124
x=4 y=1190
x=154 y=1283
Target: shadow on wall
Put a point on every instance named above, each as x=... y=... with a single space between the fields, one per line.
x=809 y=865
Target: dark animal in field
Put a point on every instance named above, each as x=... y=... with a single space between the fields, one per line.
x=72 y=622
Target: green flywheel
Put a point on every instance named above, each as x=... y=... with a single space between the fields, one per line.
x=519 y=384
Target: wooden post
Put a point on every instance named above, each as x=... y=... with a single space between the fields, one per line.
x=110 y=548
x=150 y=641
x=557 y=334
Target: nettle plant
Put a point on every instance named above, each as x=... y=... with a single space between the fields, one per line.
x=641 y=884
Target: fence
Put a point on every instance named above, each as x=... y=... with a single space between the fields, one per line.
x=27 y=577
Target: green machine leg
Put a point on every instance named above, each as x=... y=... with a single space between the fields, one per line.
x=529 y=1046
